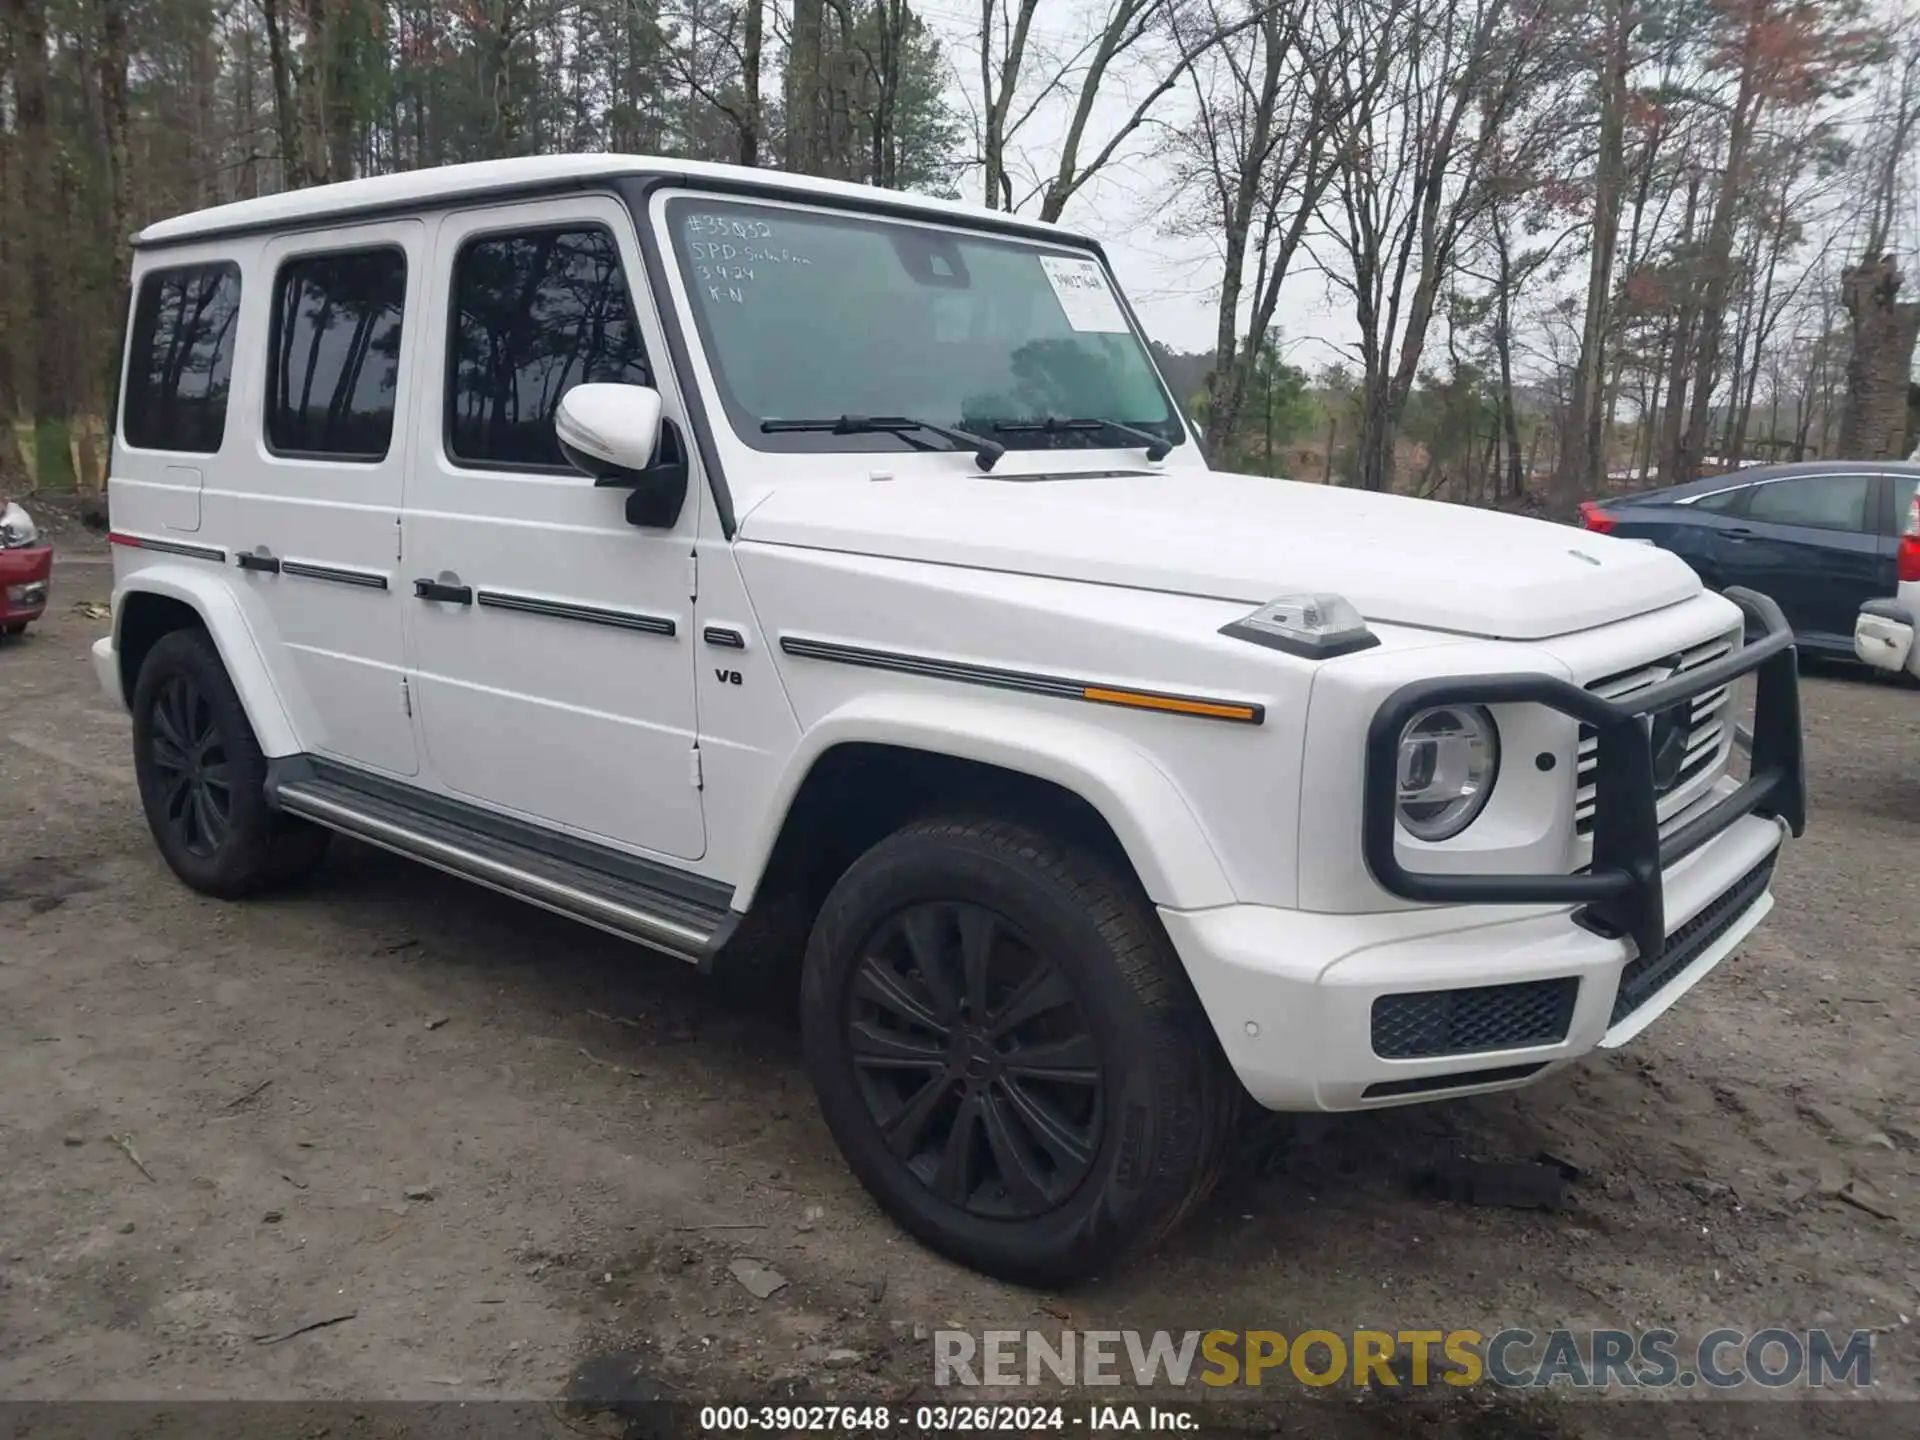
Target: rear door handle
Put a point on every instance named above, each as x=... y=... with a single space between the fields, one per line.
x=1737 y=532
x=258 y=560
x=437 y=590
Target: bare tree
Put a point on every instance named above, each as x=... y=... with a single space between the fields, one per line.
x=1006 y=29
x=1429 y=85
x=1256 y=156
x=1582 y=458
x=1157 y=40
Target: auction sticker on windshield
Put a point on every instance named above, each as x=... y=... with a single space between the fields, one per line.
x=1082 y=291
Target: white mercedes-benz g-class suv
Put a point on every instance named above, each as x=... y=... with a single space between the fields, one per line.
x=761 y=567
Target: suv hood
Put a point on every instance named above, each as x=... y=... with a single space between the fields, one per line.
x=1400 y=561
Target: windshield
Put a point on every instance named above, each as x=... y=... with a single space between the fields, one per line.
x=812 y=316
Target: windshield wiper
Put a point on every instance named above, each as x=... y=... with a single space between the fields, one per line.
x=985 y=452
x=1157 y=447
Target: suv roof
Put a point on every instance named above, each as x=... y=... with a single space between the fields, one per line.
x=501 y=179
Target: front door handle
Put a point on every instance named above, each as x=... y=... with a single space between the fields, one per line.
x=1737 y=532
x=440 y=590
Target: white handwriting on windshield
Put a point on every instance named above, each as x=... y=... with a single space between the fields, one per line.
x=728 y=225
x=726 y=270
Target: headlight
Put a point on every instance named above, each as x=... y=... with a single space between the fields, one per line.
x=1448 y=760
x=16 y=527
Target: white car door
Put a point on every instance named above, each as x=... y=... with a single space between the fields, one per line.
x=550 y=639
x=315 y=498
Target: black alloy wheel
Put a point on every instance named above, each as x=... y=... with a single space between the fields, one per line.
x=1007 y=1050
x=190 y=761
x=203 y=779
x=975 y=1061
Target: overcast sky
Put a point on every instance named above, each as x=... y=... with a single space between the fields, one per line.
x=1172 y=280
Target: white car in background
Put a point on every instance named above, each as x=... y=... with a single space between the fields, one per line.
x=1883 y=635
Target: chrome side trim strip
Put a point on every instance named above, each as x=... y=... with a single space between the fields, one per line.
x=168 y=547
x=339 y=574
x=568 y=610
x=1099 y=692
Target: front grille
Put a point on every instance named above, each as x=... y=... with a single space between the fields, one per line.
x=1709 y=732
x=1645 y=974
x=1485 y=1017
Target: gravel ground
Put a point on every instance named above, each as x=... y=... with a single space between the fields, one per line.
x=516 y=1151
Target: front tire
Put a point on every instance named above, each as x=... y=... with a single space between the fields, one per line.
x=1008 y=1052
x=203 y=779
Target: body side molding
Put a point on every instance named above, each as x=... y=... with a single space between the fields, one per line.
x=1097 y=692
x=568 y=610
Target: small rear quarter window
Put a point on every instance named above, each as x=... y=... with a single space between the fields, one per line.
x=180 y=362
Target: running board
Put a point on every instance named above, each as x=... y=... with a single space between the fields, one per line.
x=684 y=915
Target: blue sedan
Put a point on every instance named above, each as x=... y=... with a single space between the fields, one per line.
x=1821 y=537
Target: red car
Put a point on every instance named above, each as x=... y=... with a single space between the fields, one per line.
x=26 y=566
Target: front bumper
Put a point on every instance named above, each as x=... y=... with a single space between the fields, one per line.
x=1293 y=995
x=25 y=578
x=106 y=669
x=1883 y=637
x=1327 y=1011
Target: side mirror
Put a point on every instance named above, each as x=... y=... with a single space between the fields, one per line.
x=617 y=435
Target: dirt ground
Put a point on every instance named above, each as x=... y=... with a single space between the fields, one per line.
x=516 y=1151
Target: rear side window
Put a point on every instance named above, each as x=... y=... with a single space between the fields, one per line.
x=1829 y=502
x=535 y=313
x=1724 y=502
x=334 y=362
x=180 y=362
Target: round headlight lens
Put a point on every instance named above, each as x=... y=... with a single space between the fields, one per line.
x=1448 y=760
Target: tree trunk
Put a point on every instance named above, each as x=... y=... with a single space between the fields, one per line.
x=806 y=83
x=45 y=384
x=1874 y=420
x=1509 y=426
x=113 y=97
x=996 y=100
x=1718 y=260
x=1377 y=428
x=1227 y=385
x=750 y=82
x=1582 y=459
x=1673 y=413
x=286 y=118
x=340 y=50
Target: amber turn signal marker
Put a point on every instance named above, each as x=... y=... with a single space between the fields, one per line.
x=1212 y=709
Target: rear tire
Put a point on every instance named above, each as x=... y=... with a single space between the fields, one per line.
x=203 y=779
x=1008 y=1052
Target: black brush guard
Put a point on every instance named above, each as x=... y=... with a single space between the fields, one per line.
x=1622 y=889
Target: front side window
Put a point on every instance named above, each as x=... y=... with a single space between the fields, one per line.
x=180 y=360
x=535 y=313
x=1828 y=502
x=809 y=316
x=333 y=368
